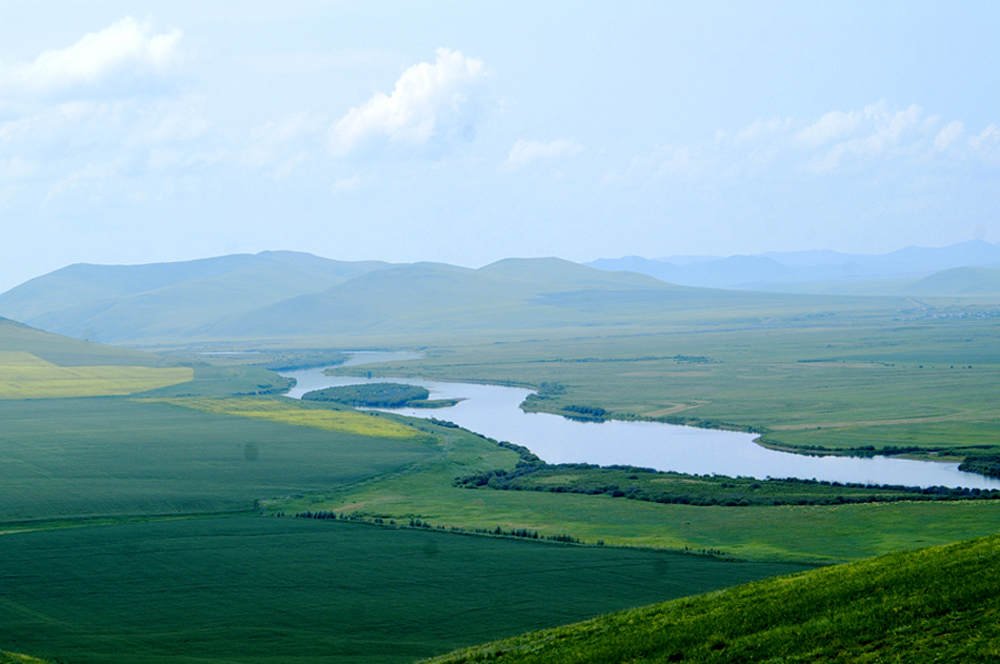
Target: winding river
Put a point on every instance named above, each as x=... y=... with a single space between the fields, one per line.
x=494 y=411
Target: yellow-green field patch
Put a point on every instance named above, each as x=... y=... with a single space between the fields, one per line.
x=292 y=412
x=25 y=376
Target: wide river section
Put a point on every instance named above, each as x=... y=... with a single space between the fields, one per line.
x=494 y=411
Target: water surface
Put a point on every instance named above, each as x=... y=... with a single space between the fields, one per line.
x=494 y=411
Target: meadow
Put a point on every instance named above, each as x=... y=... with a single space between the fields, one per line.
x=865 y=384
x=934 y=605
x=144 y=505
x=111 y=456
x=821 y=533
x=252 y=589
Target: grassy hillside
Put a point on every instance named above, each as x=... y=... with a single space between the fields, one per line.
x=444 y=304
x=40 y=365
x=253 y=590
x=25 y=376
x=168 y=300
x=960 y=281
x=65 y=351
x=934 y=605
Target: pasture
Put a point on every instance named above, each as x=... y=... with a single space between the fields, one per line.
x=110 y=456
x=256 y=590
x=25 y=376
x=817 y=533
x=839 y=383
x=934 y=605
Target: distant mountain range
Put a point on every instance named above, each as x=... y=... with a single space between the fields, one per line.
x=287 y=295
x=819 y=271
x=282 y=296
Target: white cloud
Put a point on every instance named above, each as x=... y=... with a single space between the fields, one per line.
x=948 y=134
x=126 y=48
x=986 y=139
x=876 y=130
x=759 y=129
x=524 y=152
x=833 y=125
x=429 y=102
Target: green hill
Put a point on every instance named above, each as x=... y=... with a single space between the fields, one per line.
x=168 y=300
x=935 y=605
x=286 y=296
x=67 y=352
x=958 y=282
x=513 y=295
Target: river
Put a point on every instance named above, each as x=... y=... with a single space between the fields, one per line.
x=494 y=411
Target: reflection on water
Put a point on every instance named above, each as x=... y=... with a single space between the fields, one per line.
x=494 y=411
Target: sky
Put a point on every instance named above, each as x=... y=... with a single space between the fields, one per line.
x=467 y=132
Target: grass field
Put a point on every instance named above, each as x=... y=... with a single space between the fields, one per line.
x=822 y=533
x=870 y=383
x=25 y=376
x=288 y=590
x=75 y=458
x=935 y=605
x=304 y=414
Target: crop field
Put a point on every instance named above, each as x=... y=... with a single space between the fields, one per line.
x=25 y=376
x=251 y=589
x=110 y=456
x=297 y=413
x=819 y=533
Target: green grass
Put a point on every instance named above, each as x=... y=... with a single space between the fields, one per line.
x=25 y=376
x=85 y=458
x=858 y=382
x=16 y=658
x=823 y=533
x=297 y=591
x=65 y=351
x=666 y=487
x=934 y=605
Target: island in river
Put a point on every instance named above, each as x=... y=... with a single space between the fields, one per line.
x=380 y=395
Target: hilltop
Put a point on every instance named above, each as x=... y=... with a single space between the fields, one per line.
x=282 y=297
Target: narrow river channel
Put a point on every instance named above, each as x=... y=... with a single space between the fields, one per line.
x=494 y=411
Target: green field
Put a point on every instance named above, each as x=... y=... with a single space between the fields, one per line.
x=867 y=383
x=820 y=533
x=25 y=376
x=76 y=458
x=288 y=590
x=935 y=605
x=116 y=503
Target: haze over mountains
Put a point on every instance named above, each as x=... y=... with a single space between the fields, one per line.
x=824 y=271
x=282 y=295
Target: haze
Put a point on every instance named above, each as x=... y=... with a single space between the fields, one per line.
x=468 y=132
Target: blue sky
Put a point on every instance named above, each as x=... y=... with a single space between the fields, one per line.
x=466 y=132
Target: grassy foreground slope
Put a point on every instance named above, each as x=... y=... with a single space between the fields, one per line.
x=935 y=605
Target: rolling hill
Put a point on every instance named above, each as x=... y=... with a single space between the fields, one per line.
x=282 y=297
x=123 y=303
x=935 y=605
